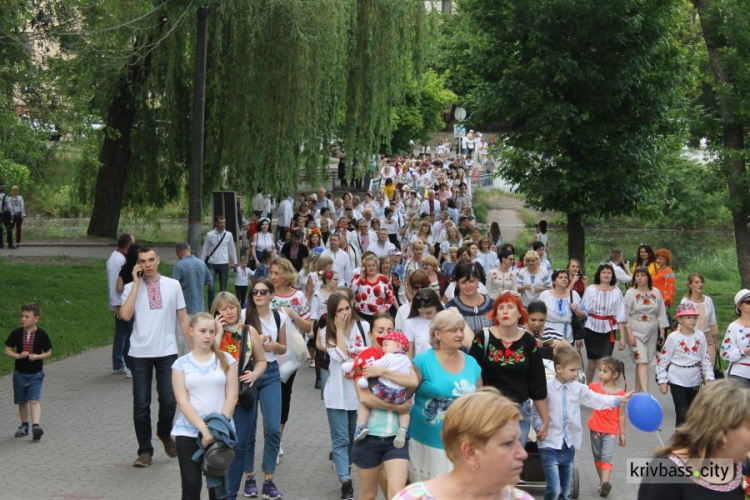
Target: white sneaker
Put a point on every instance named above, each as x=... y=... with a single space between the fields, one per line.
x=123 y=371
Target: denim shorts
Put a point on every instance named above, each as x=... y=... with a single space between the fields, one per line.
x=27 y=387
x=373 y=451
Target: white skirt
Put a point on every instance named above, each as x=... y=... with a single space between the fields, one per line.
x=426 y=462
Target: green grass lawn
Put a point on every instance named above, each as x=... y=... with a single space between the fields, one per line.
x=72 y=295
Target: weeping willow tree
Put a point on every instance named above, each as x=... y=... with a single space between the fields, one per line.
x=284 y=79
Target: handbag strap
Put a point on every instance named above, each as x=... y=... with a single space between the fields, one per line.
x=216 y=247
x=243 y=348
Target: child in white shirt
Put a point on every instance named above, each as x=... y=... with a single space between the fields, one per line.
x=683 y=363
x=565 y=395
x=395 y=345
x=241 y=276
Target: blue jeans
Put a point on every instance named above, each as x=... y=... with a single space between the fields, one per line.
x=269 y=397
x=121 y=345
x=558 y=472
x=143 y=371
x=342 y=423
x=223 y=271
x=242 y=420
x=525 y=409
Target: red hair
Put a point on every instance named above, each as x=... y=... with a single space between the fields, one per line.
x=509 y=298
x=663 y=252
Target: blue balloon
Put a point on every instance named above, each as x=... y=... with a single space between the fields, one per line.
x=645 y=412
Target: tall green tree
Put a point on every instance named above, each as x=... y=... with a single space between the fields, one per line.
x=590 y=88
x=421 y=113
x=284 y=78
x=725 y=26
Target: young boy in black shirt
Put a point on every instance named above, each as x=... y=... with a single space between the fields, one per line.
x=32 y=346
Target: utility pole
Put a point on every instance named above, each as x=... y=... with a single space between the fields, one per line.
x=195 y=210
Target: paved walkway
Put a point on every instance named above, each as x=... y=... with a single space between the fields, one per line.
x=89 y=443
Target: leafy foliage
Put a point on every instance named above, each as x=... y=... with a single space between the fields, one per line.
x=421 y=113
x=589 y=106
x=285 y=78
x=14 y=174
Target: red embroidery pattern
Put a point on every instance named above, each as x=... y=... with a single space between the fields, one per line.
x=154 y=294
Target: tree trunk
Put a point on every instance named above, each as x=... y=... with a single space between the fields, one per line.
x=115 y=154
x=734 y=140
x=114 y=158
x=576 y=239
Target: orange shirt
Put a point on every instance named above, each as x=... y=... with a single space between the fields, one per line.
x=605 y=421
x=663 y=280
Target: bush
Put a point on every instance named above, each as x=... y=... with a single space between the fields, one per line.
x=15 y=174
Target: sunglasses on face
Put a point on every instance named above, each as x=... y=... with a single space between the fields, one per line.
x=260 y=292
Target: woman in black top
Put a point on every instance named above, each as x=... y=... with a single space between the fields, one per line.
x=717 y=427
x=511 y=361
x=295 y=251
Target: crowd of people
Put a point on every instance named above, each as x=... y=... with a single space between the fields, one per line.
x=436 y=354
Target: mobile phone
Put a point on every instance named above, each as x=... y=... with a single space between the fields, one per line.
x=140 y=273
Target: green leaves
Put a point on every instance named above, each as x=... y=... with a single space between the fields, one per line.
x=588 y=87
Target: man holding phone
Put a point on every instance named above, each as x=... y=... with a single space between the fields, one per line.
x=217 y=250
x=157 y=306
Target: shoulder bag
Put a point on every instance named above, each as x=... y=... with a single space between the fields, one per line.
x=248 y=394
x=215 y=248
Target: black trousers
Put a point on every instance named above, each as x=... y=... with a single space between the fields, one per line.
x=683 y=397
x=191 y=474
x=286 y=397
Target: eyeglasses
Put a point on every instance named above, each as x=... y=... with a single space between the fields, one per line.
x=417 y=288
x=645 y=245
x=261 y=292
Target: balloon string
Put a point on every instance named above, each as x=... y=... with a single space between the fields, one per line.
x=659 y=436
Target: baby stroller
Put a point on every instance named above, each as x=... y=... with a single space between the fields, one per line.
x=532 y=476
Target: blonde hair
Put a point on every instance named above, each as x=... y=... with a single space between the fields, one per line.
x=368 y=258
x=227 y=297
x=531 y=256
x=448 y=319
x=475 y=418
x=565 y=355
x=418 y=244
x=204 y=316
x=323 y=261
x=287 y=270
x=311 y=265
x=430 y=261
x=720 y=406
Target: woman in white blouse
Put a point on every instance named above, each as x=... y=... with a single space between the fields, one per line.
x=562 y=305
x=706 y=312
x=262 y=240
x=503 y=277
x=605 y=310
x=736 y=346
x=343 y=338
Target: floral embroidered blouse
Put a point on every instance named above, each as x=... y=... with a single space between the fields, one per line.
x=516 y=370
x=736 y=340
x=684 y=360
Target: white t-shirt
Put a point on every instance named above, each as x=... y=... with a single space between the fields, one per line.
x=397 y=362
x=339 y=393
x=318 y=305
x=205 y=383
x=155 y=319
x=402 y=314
x=269 y=328
x=241 y=276
x=417 y=330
